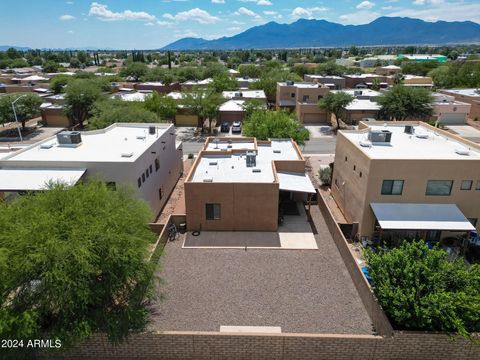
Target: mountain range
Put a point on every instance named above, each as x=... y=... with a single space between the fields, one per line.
x=322 y=33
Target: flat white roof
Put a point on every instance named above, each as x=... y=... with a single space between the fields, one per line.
x=232 y=168
x=424 y=144
x=464 y=92
x=395 y=216
x=360 y=92
x=176 y=95
x=306 y=85
x=131 y=96
x=233 y=145
x=36 y=179
x=313 y=76
x=296 y=182
x=106 y=145
x=363 y=76
x=247 y=94
x=232 y=105
x=198 y=82
x=362 y=104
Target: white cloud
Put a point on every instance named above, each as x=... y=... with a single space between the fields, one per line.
x=102 y=12
x=387 y=7
x=163 y=23
x=365 y=5
x=186 y=33
x=428 y=2
x=218 y=1
x=309 y=13
x=360 y=17
x=233 y=28
x=66 y=17
x=71 y=32
x=270 y=13
x=246 y=12
x=259 y=2
x=198 y=15
x=448 y=11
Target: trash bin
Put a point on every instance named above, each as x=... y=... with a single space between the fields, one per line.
x=182 y=227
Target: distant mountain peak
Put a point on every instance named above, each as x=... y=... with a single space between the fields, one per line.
x=322 y=33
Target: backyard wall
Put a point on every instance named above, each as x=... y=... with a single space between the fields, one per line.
x=203 y=345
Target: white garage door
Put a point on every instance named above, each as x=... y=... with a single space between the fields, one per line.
x=453 y=118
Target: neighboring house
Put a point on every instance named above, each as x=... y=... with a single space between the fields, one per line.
x=131 y=95
x=361 y=94
x=404 y=180
x=348 y=62
x=238 y=184
x=423 y=57
x=15 y=88
x=470 y=96
x=143 y=156
x=230 y=111
x=448 y=111
x=30 y=80
x=364 y=81
x=184 y=116
x=233 y=73
x=360 y=109
x=332 y=82
x=244 y=82
x=53 y=114
x=389 y=70
x=415 y=80
x=158 y=87
x=190 y=84
x=258 y=95
x=302 y=97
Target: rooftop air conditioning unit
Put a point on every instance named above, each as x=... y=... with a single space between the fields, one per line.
x=238 y=94
x=380 y=136
x=357 y=93
x=69 y=138
x=290 y=83
x=409 y=129
x=251 y=158
x=152 y=130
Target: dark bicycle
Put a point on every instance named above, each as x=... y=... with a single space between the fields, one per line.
x=172 y=232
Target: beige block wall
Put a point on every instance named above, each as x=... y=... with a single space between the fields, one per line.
x=186 y=120
x=244 y=206
x=353 y=117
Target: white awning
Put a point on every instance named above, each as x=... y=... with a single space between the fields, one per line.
x=20 y=179
x=421 y=217
x=297 y=182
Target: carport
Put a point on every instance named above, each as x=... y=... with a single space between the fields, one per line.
x=22 y=179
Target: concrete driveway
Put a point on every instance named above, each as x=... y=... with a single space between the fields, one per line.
x=319 y=130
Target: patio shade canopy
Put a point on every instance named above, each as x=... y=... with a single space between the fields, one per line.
x=296 y=182
x=421 y=217
x=36 y=179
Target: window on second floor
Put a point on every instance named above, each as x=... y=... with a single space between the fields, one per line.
x=439 y=187
x=392 y=187
x=157 y=164
x=466 y=185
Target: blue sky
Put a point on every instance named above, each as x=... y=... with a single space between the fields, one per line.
x=149 y=24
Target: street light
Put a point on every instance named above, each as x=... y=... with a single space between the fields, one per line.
x=15 y=114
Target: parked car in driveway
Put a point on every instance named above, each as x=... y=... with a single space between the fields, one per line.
x=225 y=127
x=237 y=127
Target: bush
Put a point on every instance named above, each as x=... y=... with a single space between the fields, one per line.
x=325 y=175
x=419 y=289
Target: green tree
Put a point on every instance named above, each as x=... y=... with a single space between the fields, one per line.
x=204 y=104
x=135 y=70
x=335 y=103
x=265 y=124
x=27 y=107
x=419 y=289
x=268 y=82
x=105 y=112
x=50 y=67
x=250 y=70
x=80 y=96
x=58 y=82
x=403 y=102
x=74 y=263
x=223 y=83
x=164 y=106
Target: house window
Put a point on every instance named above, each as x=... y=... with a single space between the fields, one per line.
x=439 y=187
x=306 y=98
x=157 y=164
x=292 y=95
x=473 y=221
x=319 y=97
x=146 y=172
x=139 y=182
x=466 y=185
x=151 y=169
x=392 y=187
x=354 y=167
x=160 y=194
x=143 y=177
x=360 y=174
x=213 y=211
x=346 y=158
